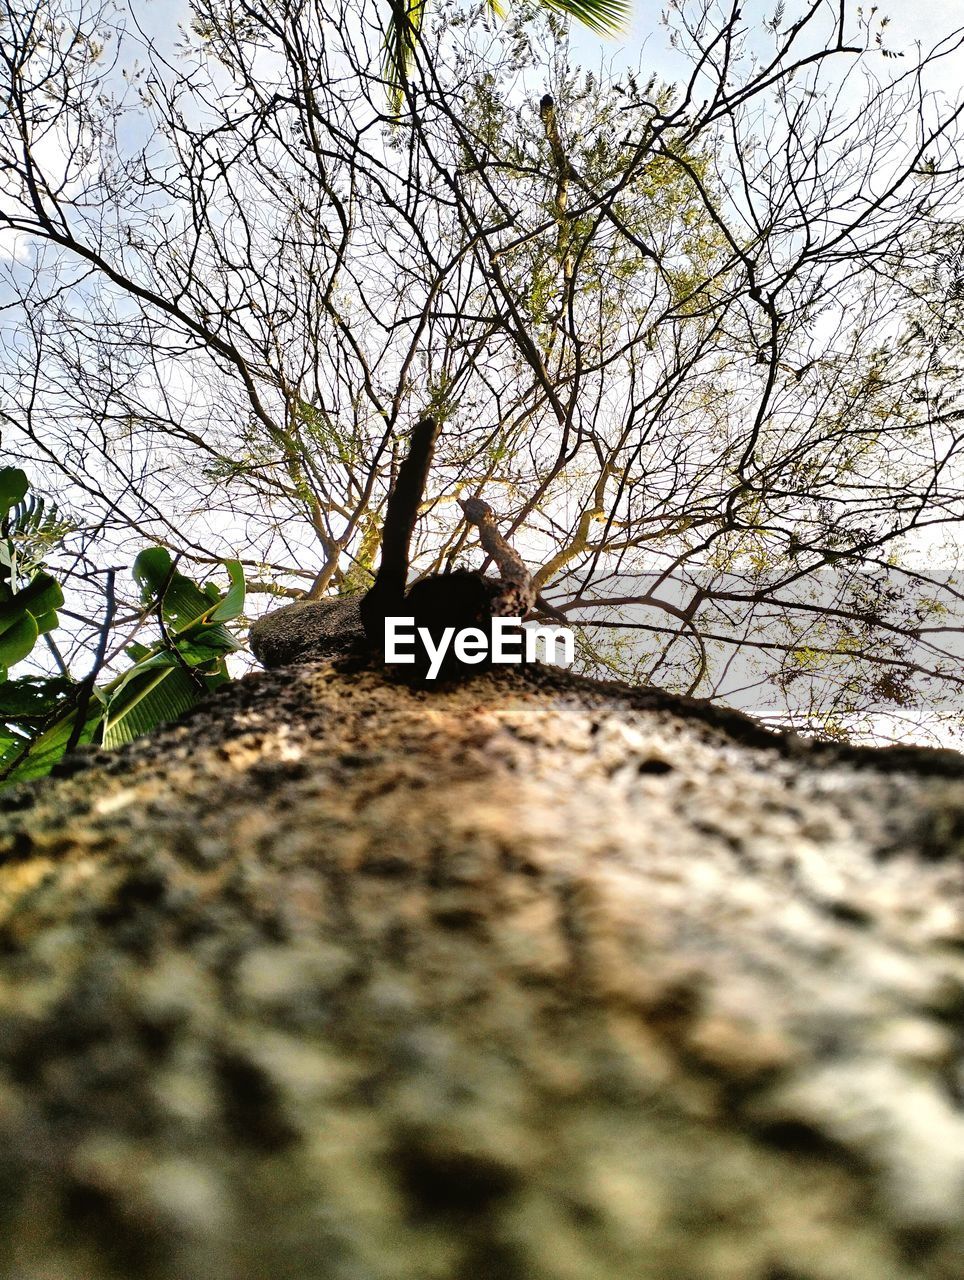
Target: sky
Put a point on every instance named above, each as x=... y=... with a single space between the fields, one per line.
x=645 y=45
x=909 y=22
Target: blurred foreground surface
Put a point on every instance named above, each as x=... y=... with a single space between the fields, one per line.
x=527 y=979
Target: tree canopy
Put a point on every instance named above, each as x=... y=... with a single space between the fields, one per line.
x=694 y=337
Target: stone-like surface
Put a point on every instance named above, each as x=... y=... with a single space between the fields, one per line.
x=524 y=979
x=307 y=629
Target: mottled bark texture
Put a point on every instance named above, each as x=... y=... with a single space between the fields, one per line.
x=524 y=979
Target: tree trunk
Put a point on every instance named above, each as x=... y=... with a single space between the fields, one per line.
x=528 y=978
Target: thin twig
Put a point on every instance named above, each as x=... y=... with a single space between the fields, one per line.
x=166 y=635
x=87 y=684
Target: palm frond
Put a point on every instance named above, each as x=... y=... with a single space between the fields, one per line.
x=400 y=37
x=606 y=17
x=30 y=515
x=30 y=530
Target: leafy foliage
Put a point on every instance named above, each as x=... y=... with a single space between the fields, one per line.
x=42 y=717
x=27 y=611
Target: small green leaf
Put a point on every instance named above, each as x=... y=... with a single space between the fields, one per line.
x=13 y=487
x=233 y=601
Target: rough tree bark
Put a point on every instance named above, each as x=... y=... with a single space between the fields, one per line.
x=524 y=979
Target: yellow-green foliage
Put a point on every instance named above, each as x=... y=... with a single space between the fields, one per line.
x=322 y=431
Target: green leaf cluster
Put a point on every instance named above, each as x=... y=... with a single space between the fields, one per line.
x=41 y=717
x=29 y=597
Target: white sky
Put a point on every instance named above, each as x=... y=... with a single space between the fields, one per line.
x=909 y=22
x=917 y=20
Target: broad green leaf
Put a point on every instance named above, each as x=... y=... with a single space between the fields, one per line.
x=48 y=621
x=214 y=679
x=46 y=750
x=233 y=601
x=18 y=639
x=218 y=639
x=32 y=697
x=185 y=604
x=153 y=662
x=201 y=650
x=12 y=617
x=184 y=601
x=42 y=594
x=13 y=487
x=191 y=654
x=151 y=569
x=11 y=746
x=10 y=738
x=39 y=596
x=159 y=695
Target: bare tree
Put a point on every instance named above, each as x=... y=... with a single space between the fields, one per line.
x=682 y=337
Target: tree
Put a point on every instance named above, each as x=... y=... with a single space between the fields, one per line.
x=671 y=338
x=526 y=975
